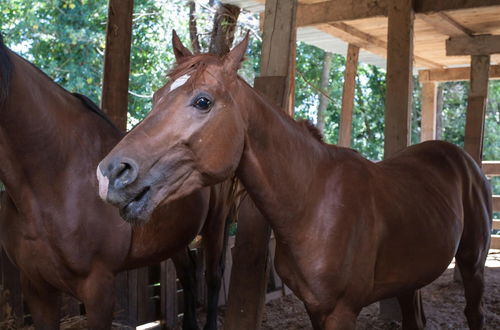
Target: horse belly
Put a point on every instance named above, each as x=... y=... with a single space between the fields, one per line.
x=417 y=252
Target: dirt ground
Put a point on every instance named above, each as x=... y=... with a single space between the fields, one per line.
x=443 y=305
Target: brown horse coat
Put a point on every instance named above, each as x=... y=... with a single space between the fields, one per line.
x=54 y=226
x=349 y=231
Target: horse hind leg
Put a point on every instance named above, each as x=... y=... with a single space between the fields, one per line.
x=471 y=258
x=412 y=310
x=471 y=266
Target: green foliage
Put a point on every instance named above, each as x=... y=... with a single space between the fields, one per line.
x=66 y=39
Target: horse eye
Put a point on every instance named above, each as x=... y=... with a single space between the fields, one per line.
x=202 y=103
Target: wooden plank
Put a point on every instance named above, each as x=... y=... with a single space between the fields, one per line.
x=491 y=168
x=446 y=25
x=398 y=97
x=495 y=242
x=399 y=77
x=454 y=74
x=476 y=107
x=429 y=110
x=476 y=45
x=114 y=99
x=368 y=42
x=168 y=284
x=247 y=288
x=496 y=203
x=277 y=54
x=496 y=224
x=348 y=93
x=344 y=10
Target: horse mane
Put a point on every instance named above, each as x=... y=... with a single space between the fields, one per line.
x=89 y=104
x=5 y=71
x=313 y=130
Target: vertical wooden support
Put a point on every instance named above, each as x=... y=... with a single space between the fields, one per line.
x=117 y=61
x=278 y=47
x=399 y=76
x=168 y=294
x=398 y=97
x=476 y=107
x=247 y=289
x=348 y=92
x=429 y=111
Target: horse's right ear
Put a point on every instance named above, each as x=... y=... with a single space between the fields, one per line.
x=179 y=50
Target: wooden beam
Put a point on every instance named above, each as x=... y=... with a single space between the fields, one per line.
x=476 y=107
x=496 y=203
x=496 y=224
x=398 y=99
x=247 y=289
x=495 y=242
x=399 y=77
x=114 y=99
x=446 y=25
x=368 y=42
x=477 y=45
x=345 y=10
x=429 y=107
x=348 y=92
x=491 y=167
x=453 y=74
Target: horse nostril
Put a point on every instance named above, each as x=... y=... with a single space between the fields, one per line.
x=124 y=173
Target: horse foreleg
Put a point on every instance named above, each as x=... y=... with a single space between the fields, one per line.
x=343 y=317
x=215 y=242
x=185 y=268
x=44 y=302
x=412 y=310
x=97 y=294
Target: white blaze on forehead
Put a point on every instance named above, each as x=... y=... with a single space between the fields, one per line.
x=103 y=184
x=179 y=82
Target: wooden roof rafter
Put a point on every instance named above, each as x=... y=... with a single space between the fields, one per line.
x=345 y=10
x=366 y=41
x=453 y=74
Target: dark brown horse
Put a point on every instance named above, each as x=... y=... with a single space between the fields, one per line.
x=54 y=226
x=349 y=231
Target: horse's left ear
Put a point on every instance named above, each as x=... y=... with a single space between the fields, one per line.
x=234 y=58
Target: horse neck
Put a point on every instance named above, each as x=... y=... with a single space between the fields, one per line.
x=279 y=160
x=47 y=136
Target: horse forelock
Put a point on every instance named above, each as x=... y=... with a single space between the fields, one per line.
x=5 y=71
x=194 y=65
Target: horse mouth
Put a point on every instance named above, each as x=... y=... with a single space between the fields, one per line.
x=135 y=210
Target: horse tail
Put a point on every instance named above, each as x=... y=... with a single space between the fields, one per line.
x=5 y=71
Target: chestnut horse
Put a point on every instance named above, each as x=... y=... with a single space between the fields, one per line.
x=349 y=232
x=54 y=226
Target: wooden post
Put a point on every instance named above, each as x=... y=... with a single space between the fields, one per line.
x=247 y=289
x=323 y=87
x=399 y=76
x=168 y=294
x=476 y=107
x=117 y=61
x=348 y=92
x=398 y=97
x=429 y=111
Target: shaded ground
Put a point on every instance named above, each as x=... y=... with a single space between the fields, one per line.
x=443 y=304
